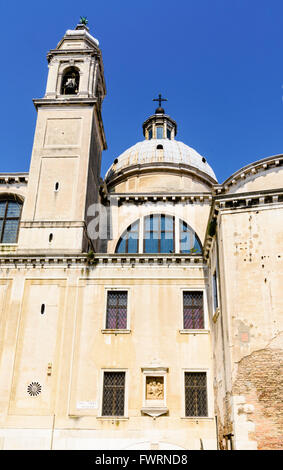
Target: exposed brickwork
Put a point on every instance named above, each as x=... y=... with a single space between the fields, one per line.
x=260 y=381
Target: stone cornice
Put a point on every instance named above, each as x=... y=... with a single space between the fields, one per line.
x=252 y=169
x=160 y=197
x=38 y=260
x=78 y=101
x=12 y=178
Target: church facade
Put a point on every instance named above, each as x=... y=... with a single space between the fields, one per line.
x=142 y=311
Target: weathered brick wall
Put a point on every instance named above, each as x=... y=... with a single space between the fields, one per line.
x=260 y=380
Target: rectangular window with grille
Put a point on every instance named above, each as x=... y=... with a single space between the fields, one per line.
x=193 y=312
x=195 y=394
x=113 y=403
x=116 y=310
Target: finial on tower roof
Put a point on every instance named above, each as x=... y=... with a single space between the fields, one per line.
x=83 y=20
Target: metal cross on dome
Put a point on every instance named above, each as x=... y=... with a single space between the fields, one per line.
x=159 y=99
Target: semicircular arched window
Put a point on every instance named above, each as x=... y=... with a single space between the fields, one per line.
x=161 y=233
x=70 y=81
x=10 y=214
x=128 y=243
x=189 y=241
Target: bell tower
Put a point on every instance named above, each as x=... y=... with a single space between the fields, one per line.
x=64 y=177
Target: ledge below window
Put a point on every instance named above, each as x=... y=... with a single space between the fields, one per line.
x=155 y=411
x=198 y=418
x=8 y=247
x=112 y=418
x=194 y=332
x=115 y=332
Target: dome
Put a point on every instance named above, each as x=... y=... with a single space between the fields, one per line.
x=160 y=151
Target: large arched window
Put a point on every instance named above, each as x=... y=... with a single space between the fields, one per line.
x=160 y=233
x=189 y=241
x=70 y=81
x=10 y=213
x=128 y=242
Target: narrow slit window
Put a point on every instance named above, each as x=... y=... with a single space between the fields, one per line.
x=215 y=290
x=159 y=132
x=42 y=309
x=56 y=187
x=50 y=237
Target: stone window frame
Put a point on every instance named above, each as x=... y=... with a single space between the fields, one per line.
x=157 y=407
x=206 y=328
x=209 y=394
x=115 y=331
x=126 y=394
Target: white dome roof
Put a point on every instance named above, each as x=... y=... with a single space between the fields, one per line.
x=146 y=152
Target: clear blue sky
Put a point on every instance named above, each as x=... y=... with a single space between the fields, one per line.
x=219 y=63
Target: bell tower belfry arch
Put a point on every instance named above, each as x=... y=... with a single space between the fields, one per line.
x=69 y=138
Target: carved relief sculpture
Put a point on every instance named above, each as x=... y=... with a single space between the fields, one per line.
x=154 y=388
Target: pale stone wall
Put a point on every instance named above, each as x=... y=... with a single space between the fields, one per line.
x=165 y=180
x=65 y=349
x=251 y=275
x=61 y=154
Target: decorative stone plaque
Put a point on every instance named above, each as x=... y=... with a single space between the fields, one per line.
x=154 y=388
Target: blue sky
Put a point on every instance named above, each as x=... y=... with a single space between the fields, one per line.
x=219 y=63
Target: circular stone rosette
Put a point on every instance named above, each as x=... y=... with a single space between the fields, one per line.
x=34 y=389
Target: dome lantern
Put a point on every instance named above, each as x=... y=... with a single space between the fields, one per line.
x=159 y=125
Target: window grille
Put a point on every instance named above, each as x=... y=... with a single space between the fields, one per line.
x=10 y=212
x=113 y=394
x=116 y=315
x=195 y=394
x=193 y=310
